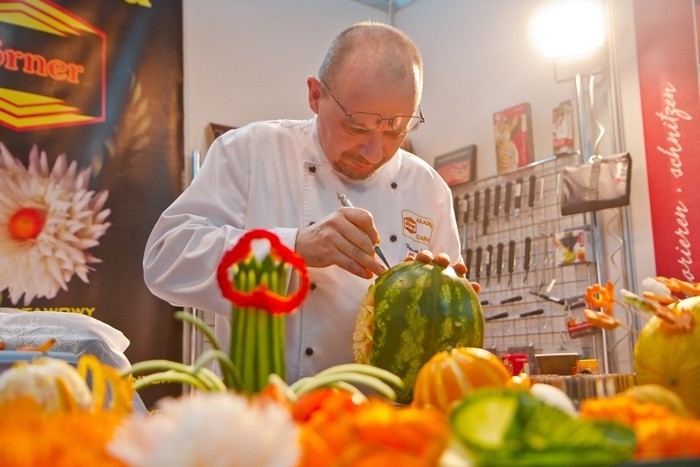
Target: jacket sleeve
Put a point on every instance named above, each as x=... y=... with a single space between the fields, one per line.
x=189 y=239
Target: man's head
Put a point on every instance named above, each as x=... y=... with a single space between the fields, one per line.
x=370 y=68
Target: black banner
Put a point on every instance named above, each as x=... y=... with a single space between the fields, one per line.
x=101 y=83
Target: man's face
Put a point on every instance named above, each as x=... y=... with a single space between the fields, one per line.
x=353 y=152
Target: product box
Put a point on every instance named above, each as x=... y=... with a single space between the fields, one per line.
x=563 y=128
x=573 y=246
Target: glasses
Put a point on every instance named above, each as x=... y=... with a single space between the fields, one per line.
x=365 y=121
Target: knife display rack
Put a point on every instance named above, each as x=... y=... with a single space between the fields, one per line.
x=509 y=226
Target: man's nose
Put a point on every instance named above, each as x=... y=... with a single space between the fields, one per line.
x=372 y=147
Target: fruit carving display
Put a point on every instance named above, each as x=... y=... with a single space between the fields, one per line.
x=451 y=374
x=667 y=351
x=414 y=310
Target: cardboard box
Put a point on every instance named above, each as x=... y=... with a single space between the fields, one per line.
x=573 y=246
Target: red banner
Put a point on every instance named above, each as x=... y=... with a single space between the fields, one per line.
x=669 y=60
x=91 y=146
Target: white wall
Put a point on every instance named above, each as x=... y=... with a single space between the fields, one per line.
x=247 y=60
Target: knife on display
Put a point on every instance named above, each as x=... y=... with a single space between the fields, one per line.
x=496 y=202
x=465 y=219
x=499 y=260
x=477 y=262
x=517 y=195
x=526 y=258
x=506 y=204
x=531 y=191
x=489 y=256
x=477 y=197
x=487 y=208
x=468 y=261
x=511 y=262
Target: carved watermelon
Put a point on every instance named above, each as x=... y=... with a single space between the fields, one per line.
x=411 y=312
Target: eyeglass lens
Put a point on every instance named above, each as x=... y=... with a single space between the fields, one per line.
x=370 y=121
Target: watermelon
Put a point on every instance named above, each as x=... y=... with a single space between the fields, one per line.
x=413 y=311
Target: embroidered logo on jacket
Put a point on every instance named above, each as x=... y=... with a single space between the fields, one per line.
x=416 y=227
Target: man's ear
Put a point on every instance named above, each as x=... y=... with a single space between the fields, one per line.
x=314 y=86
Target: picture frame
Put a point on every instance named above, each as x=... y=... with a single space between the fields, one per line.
x=513 y=135
x=458 y=166
x=214 y=130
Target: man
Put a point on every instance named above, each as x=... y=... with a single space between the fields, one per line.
x=285 y=176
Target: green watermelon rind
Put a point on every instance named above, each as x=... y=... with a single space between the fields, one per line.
x=457 y=319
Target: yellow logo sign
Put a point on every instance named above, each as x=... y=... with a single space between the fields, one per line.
x=52 y=67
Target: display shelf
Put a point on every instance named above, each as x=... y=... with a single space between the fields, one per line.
x=529 y=259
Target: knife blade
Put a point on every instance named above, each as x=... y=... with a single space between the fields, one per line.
x=487 y=209
x=499 y=260
x=511 y=262
x=477 y=263
x=526 y=258
x=517 y=196
x=506 y=204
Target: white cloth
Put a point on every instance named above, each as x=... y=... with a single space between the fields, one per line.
x=274 y=175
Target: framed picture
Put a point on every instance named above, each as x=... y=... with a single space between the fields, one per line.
x=458 y=166
x=512 y=128
x=214 y=130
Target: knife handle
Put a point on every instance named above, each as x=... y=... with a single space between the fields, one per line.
x=487 y=203
x=477 y=196
x=518 y=193
x=468 y=261
x=509 y=190
x=499 y=258
x=477 y=263
x=489 y=256
x=511 y=256
x=528 y=247
x=536 y=312
x=531 y=191
x=466 y=209
x=497 y=200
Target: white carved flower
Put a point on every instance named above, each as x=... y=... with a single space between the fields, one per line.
x=212 y=429
x=48 y=222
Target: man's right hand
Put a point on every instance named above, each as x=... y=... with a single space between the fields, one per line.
x=344 y=238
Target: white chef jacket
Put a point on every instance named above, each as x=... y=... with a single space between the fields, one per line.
x=274 y=175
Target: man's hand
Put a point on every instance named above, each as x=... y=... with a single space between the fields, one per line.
x=345 y=238
x=442 y=259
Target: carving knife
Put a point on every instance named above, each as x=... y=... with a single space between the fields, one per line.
x=511 y=262
x=497 y=202
x=489 y=256
x=506 y=204
x=465 y=218
x=517 y=195
x=487 y=209
x=531 y=191
x=477 y=263
x=346 y=202
x=468 y=261
x=499 y=260
x=526 y=259
x=477 y=196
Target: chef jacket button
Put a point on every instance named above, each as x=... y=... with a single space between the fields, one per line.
x=392 y=238
x=309 y=351
x=312 y=169
x=394 y=185
x=312 y=286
